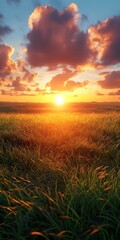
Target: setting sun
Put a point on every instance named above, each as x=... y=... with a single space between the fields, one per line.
x=59 y=100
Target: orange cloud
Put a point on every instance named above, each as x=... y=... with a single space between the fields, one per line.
x=7 y=65
x=28 y=75
x=105 y=39
x=117 y=93
x=15 y=78
x=62 y=82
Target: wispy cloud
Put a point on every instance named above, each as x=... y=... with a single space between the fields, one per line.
x=4 y=29
x=13 y=1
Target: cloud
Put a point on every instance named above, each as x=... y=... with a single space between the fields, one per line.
x=10 y=93
x=55 y=38
x=28 y=75
x=15 y=77
x=84 y=18
x=17 y=85
x=104 y=73
x=23 y=79
x=73 y=85
x=7 y=65
x=111 y=80
x=1 y=16
x=13 y=1
x=4 y=29
x=62 y=82
x=105 y=38
x=4 y=92
x=100 y=94
x=117 y=93
x=58 y=82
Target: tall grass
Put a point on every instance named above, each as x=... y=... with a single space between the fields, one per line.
x=59 y=176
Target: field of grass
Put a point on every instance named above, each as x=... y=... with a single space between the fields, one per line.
x=59 y=176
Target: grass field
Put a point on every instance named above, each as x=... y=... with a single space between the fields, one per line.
x=59 y=175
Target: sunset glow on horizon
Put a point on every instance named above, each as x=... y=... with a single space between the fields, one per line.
x=59 y=100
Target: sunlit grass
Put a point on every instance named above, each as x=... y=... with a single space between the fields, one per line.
x=59 y=176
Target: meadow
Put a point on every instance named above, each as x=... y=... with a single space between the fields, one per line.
x=60 y=173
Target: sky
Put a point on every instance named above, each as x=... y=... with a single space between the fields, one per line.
x=53 y=47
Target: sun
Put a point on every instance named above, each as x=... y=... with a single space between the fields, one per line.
x=59 y=100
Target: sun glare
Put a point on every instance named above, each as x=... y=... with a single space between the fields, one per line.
x=59 y=100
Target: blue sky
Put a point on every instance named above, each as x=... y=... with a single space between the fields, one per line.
x=16 y=14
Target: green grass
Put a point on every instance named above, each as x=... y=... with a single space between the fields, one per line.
x=59 y=176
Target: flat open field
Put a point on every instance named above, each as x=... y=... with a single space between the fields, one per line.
x=59 y=172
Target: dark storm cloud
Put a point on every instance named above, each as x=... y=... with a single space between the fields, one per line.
x=111 y=80
x=105 y=37
x=55 y=38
